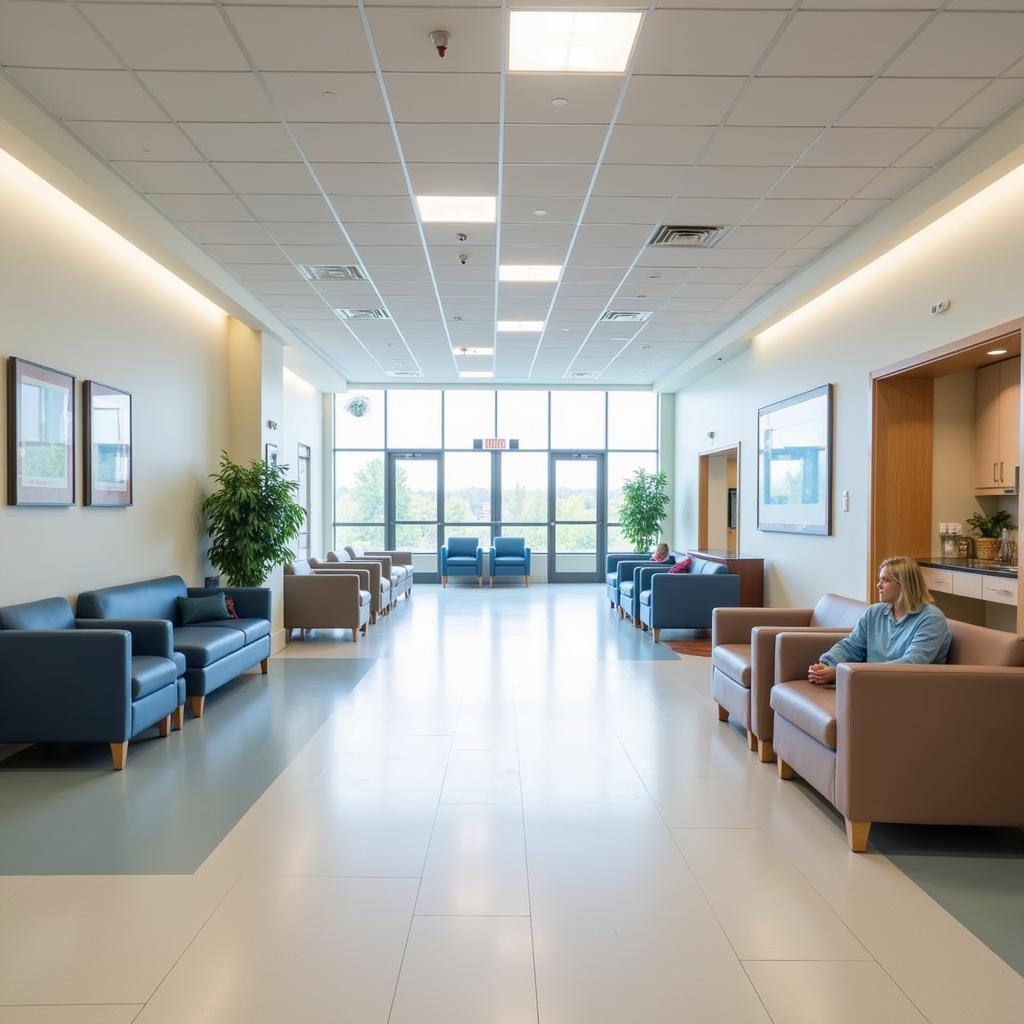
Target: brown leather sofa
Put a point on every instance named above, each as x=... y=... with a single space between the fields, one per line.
x=743 y=658
x=325 y=600
x=926 y=744
x=379 y=585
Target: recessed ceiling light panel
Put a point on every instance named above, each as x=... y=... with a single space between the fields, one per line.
x=520 y=326
x=559 y=41
x=457 y=209
x=529 y=272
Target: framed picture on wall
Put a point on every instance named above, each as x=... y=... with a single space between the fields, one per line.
x=270 y=454
x=108 y=445
x=794 y=464
x=40 y=434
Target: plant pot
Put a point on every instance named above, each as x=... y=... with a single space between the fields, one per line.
x=987 y=548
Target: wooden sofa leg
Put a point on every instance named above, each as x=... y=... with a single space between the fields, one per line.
x=723 y=713
x=178 y=718
x=364 y=629
x=751 y=741
x=656 y=630
x=857 y=835
x=444 y=581
x=197 y=706
x=765 y=751
x=164 y=726
x=265 y=666
x=119 y=752
x=785 y=772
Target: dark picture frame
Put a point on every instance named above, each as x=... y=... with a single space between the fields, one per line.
x=270 y=453
x=794 y=464
x=40 y=434
x=107 y=438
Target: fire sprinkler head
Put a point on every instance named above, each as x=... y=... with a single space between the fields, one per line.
x=439 y=37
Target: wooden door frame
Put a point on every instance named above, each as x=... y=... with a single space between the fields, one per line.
x=702 y=491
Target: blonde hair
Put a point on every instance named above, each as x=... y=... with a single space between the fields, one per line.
x=914 y=593
x=662 y=550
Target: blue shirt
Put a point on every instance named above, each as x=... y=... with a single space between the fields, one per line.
x=919 y=638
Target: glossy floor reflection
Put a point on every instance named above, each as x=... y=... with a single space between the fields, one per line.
x=524 y=811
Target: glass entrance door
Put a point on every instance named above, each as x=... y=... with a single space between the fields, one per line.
x=414 y=521
x=576 y=530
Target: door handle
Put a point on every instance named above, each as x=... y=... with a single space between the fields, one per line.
x=1000 y=472
x=994 y=477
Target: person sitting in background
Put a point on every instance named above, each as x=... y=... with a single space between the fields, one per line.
x=904 y=628
x=660 y=553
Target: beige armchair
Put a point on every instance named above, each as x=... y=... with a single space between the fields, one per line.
x=400 y=571
x=379 y=585
x=927 y=744
x=333 y=600
x=743 y=658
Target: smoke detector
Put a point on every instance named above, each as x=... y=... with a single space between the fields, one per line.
x=439 y=37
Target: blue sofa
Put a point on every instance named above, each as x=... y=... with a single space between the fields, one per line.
x=619 y=570
x=64 y=680
x=510 y=557
x=462 y=556
x=213 y=652
x=684 y=600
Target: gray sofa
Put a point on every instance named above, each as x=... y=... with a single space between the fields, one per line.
x=211 y=653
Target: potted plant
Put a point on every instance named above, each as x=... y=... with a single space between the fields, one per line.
x=252 y=516
x=988 y=529
x=644 y=507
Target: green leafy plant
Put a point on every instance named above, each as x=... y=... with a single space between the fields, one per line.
x=990 y=526
x=644 y=507
x=252 y=518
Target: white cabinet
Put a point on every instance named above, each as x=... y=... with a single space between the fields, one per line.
x=940 y=580
x=997 y=427
x=1000 y=589
x=969 y=584
x=981 y=587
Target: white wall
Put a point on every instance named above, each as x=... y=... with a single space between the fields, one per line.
x=78 y=298
x=971 y=256
x=303 y=423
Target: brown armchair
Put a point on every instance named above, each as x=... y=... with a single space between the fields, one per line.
x=379 y=585
x=928 y=744
x=743 y=658
x=332 y=600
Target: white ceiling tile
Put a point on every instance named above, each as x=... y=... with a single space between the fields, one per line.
x=391 y=255
x=821 y=237
x=454 y=179
x=861 y=147
x=772 y=276
x=853 y=211
x=771 y=237
x=171 y=177
x=877 y=5
x=88 y=95
x=646 y=180
x=307 y=208
x=709 y=211
x=750 y=258
x=596 y=256
x=292 y=233
x=936 y=147
x=242 y=142
x=892 y=182
x=202 y=207
x=554 y=144
x=655 y=144
x=347 y=143
x=704 y=42
x=209 y=95
x=546 y=179
x=991 y=103
x=176 y=37
x=823 y=182
x=692 y=304
x=597 y=275
x=615 y=210
x=812 y=102
x=383 y=276
x=793 y=211
x=698 y=290
x=292 y=178
x=303 y=38
x=269 y=289
x=559 y=208
x=728 y=182
x=241 y=254
x=326 y=96
x=360 y=179
x=229 y=232
x=678 y=100
x=797 y=257
x=265 y=272
x=910 y=102
x=758 y=146
x=530 y=255
x=132 y=140
x=614 y=234
x=307 y=307
x=448 y=97
x=50 y=36
x=826 y=43
x=591 y=98
x=449 y=143
x=403 y=44
x=962 y=44
x=451 y=256
x=447 y=234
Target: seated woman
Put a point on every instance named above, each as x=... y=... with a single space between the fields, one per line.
x=904 y=628
x=660 y=553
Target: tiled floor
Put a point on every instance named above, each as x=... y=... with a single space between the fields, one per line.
x=522 y=812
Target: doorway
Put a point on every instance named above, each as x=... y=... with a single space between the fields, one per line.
x=577 y=499
x=413 y=515
x=718 y=514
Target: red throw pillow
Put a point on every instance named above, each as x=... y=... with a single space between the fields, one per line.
x=230 y=602
x=683 y=566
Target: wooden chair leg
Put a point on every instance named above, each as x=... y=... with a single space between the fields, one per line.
x=723 y=714
x=785 y=772
x=751 y=741
x=857 y=835
x=373 y=617
x=526 y=581
x=178 y=718
x=657 y=633
x=119 y=753
x=364 y=629
x=197 y=706
x=479 y=581
x=444 y=581
x=765 y=751
x=355 y=634
x=164 y=726
x=264 y=666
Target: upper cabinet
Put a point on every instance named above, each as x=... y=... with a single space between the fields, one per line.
x=997 y=428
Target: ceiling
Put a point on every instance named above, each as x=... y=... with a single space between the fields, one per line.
x=283 y=133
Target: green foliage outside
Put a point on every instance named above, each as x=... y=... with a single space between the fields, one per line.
x=252 y=517
x=644 y=508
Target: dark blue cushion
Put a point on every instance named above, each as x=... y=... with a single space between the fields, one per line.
x=208 y=608
x=462 y=547
x=151 y=674
x=251 y=629
x=50 y=613
x=203 y=645
x=509 y=547
x=150 y=599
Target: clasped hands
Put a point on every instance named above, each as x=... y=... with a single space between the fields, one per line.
x=821 y=674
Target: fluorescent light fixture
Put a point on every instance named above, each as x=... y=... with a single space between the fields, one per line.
x=996 y=352
x=476 y=373
x=473 y=350
x=594 y=41
x=528 y=272
x=457 y=209
x=520 y=326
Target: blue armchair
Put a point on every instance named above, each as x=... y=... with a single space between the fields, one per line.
x=619 y=571
x=462 y=556
x=684 y=600
x=64 y=680
x=510 y=557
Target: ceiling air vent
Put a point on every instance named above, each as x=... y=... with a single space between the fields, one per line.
x=677 y=235
x=312 y=272
x=363 y=314
x=621 y=316
x=404 y=373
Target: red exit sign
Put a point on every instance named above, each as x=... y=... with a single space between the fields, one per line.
x=495 y=442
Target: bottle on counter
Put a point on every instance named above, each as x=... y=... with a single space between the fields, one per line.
x=1004 y=546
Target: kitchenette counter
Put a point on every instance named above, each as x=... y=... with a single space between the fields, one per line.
x=973 y=565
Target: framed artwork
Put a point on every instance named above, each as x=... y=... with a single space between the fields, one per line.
x=108 y=445
x=40 y=435
x=794 y=464
x=732 y=515
x=270 y=454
